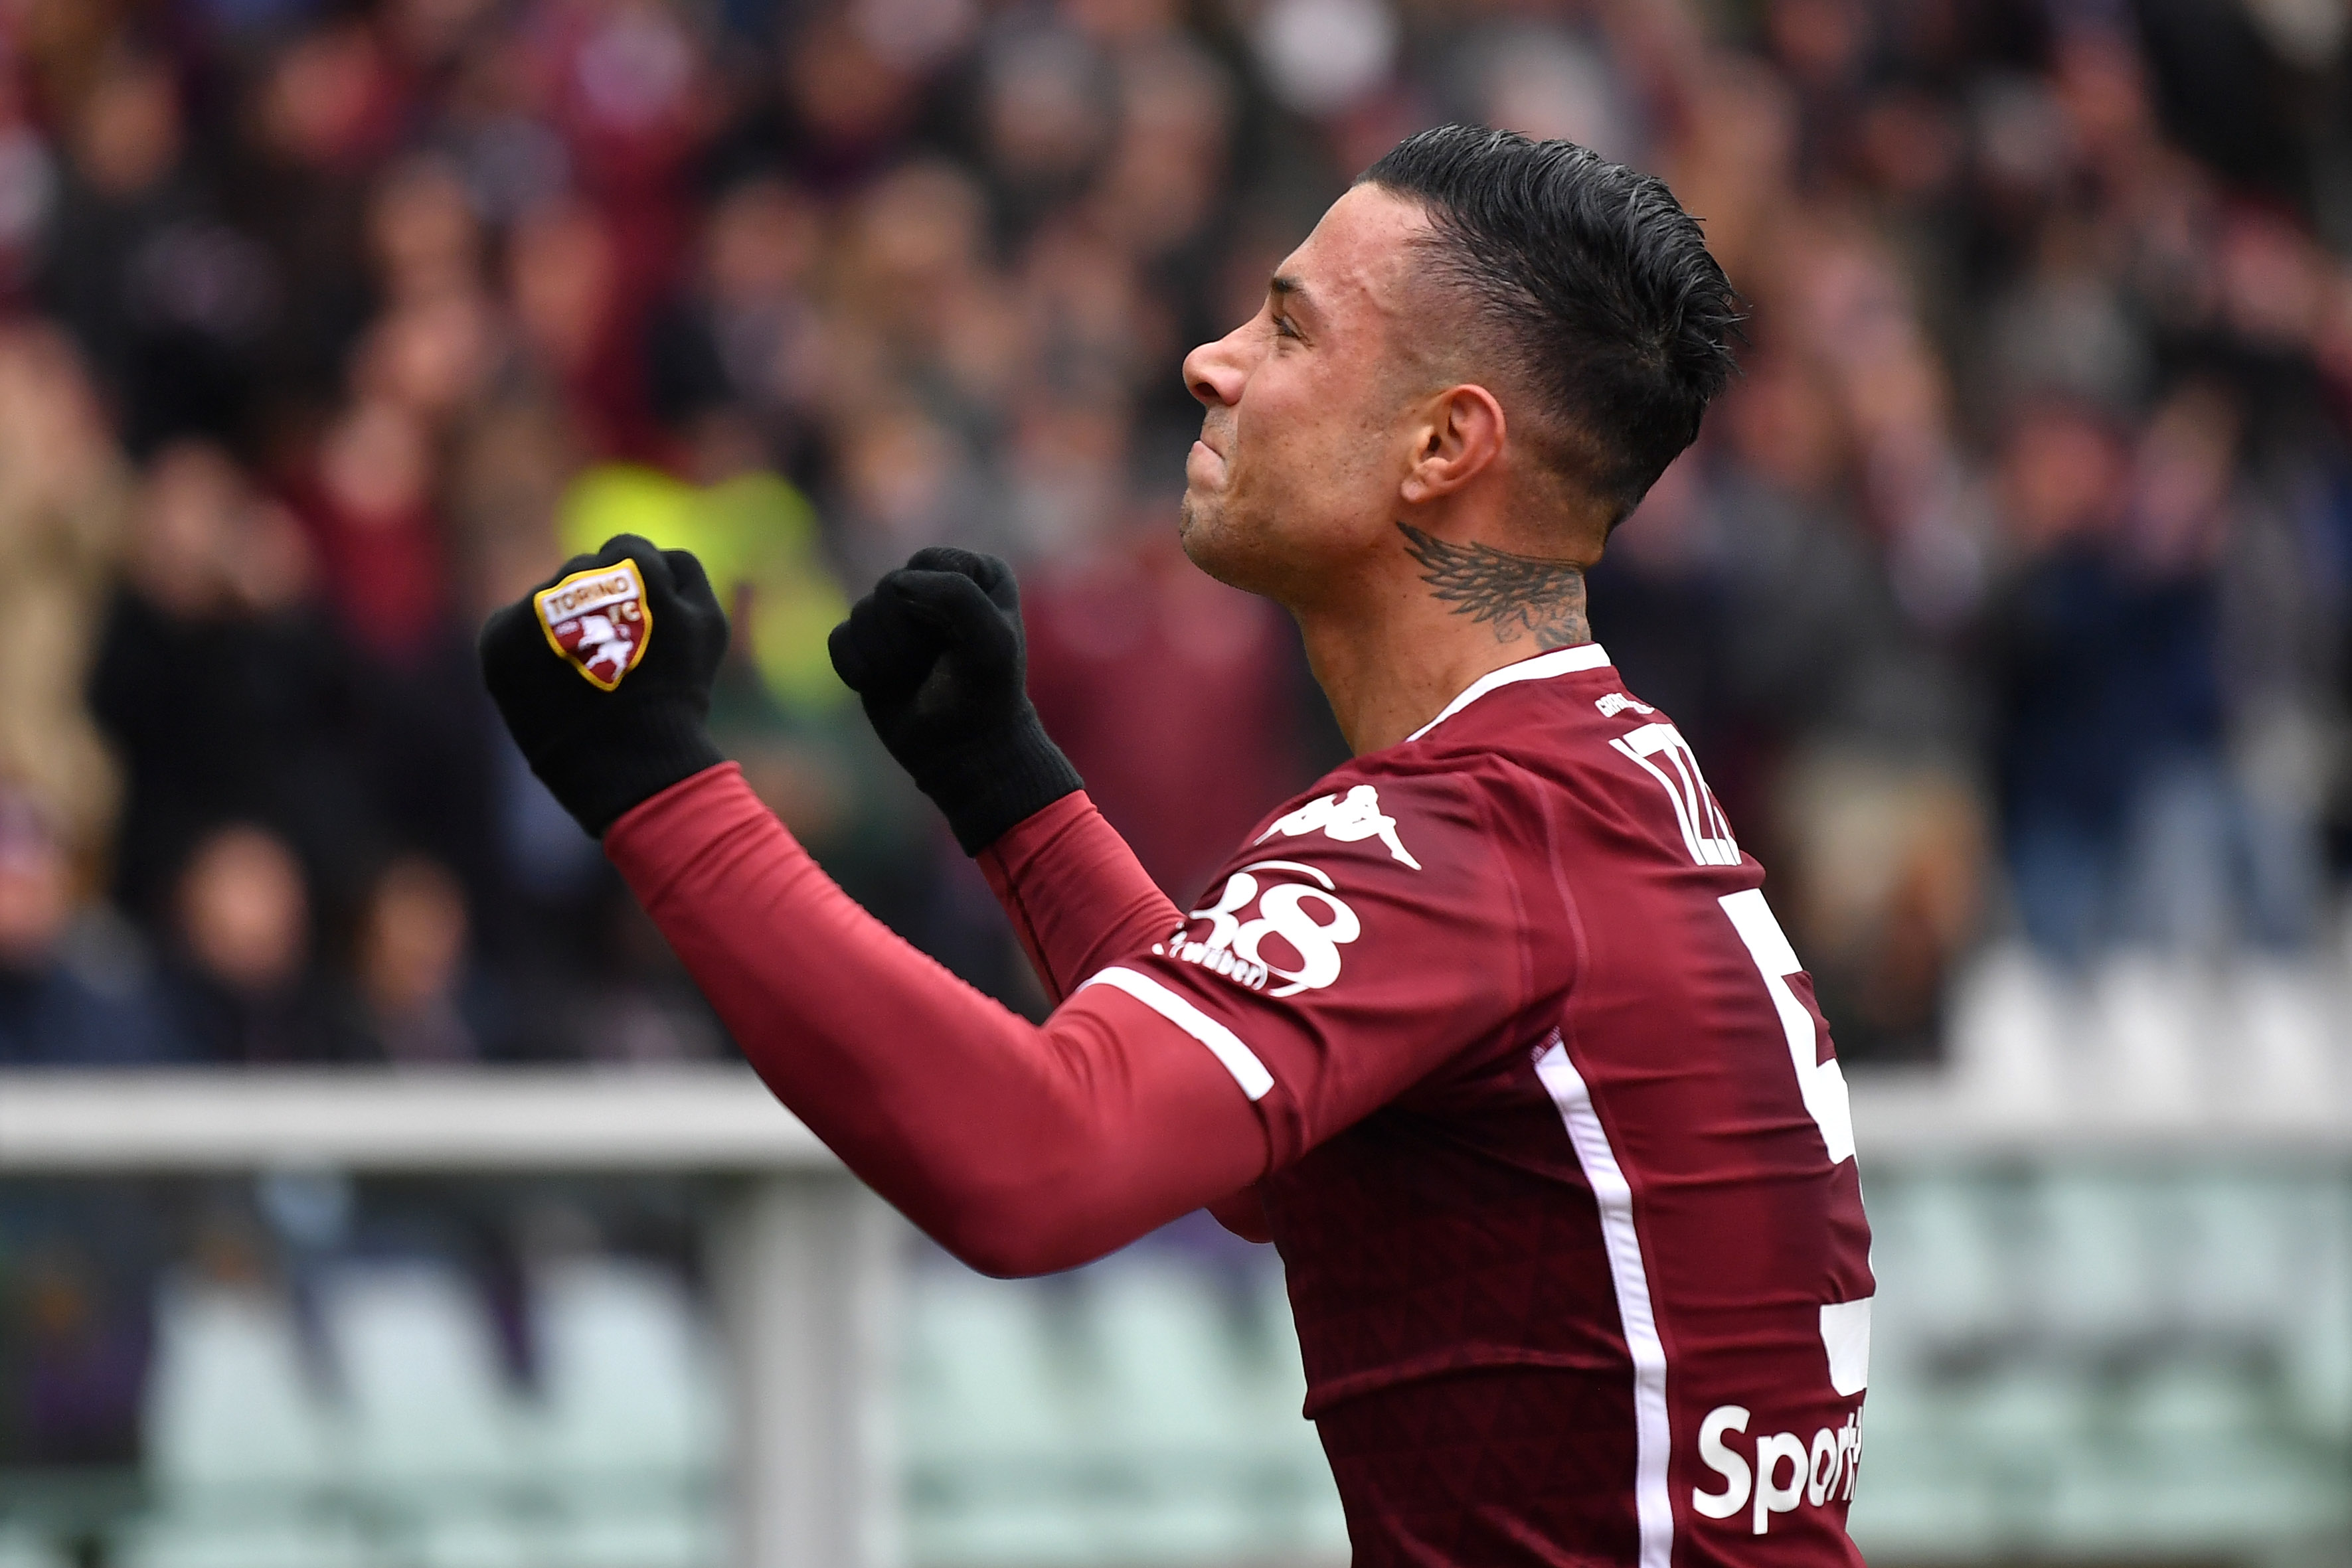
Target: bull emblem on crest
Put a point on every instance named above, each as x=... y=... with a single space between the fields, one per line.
x=598 y=620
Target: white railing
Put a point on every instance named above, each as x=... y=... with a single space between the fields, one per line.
x=804 y=1259
x=806 y=1264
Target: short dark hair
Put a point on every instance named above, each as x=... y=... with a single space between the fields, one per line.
x=1594 y=285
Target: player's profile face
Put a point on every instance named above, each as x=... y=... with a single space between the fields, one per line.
x=1302 y=445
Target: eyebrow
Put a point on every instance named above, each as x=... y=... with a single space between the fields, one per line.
x=1282 y=286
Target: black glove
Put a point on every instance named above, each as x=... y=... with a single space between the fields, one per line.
x=935 y=654
x=603 y=674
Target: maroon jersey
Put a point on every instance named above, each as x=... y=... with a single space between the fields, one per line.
x=1563 y=1173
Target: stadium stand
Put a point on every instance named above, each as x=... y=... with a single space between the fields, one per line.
x=2005 y=600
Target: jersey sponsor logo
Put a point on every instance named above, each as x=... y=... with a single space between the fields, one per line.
x=1659 y=751
x=1349 y=820
x=1292 y=942
x=597 y=621
x=1778 y=1471
x=1616 y=703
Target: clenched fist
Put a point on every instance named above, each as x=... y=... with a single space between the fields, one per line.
x=936 y=654
x=603 y=674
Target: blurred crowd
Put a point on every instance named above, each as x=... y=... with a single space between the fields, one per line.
x=2005 y=594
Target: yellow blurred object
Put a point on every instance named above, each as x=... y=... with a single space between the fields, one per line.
x=757 y=538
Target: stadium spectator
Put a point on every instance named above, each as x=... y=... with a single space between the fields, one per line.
x=424 y=1005
x=64 y=499
x=76 y=989
x=224 y=691
x=246 y=990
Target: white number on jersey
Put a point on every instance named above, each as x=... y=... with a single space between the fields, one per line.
x=1708 y=838
x=1700 y=818
x=1314 y=921
x=1821 y=1082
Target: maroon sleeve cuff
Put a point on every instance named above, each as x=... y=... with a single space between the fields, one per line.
x=664 y=829
x=1033 y=835
x=1075 y=893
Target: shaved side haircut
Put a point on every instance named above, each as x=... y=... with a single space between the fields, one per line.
x=1589 y=288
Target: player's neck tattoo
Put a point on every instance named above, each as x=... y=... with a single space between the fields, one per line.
x=1516 y=594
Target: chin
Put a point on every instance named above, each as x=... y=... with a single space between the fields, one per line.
x=1197 y=535
x=1234 y=555
x=1200 y=530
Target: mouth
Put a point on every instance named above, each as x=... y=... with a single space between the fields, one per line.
x=1204 y=465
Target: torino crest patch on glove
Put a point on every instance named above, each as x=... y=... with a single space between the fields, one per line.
x=598 y=620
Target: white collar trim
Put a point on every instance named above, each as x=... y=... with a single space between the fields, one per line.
x=1542 y=667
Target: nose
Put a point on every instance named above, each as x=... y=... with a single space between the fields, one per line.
x=1214 y=372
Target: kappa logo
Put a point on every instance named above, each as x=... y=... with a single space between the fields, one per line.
x=1350 y=820
x=598 y=620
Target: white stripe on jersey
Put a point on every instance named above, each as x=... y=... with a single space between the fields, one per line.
x=1542 y=667
x=1653 y=1506
x=1239 y=1058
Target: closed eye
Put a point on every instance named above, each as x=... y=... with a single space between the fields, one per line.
x=1280 y=290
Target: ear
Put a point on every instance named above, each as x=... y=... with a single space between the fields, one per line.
x=1459 y=436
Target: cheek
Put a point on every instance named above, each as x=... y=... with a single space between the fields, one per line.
x=1284 y=431
x=1308 y=443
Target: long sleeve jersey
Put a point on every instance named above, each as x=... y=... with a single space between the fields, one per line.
x=1492 y=1033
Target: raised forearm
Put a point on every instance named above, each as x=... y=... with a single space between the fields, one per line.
x=1021 y=1149
x=1077 y=895
x=1080 y=901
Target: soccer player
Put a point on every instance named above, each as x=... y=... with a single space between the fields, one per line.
x=1491 y=1032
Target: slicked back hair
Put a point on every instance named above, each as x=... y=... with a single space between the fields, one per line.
x=1592 y=285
